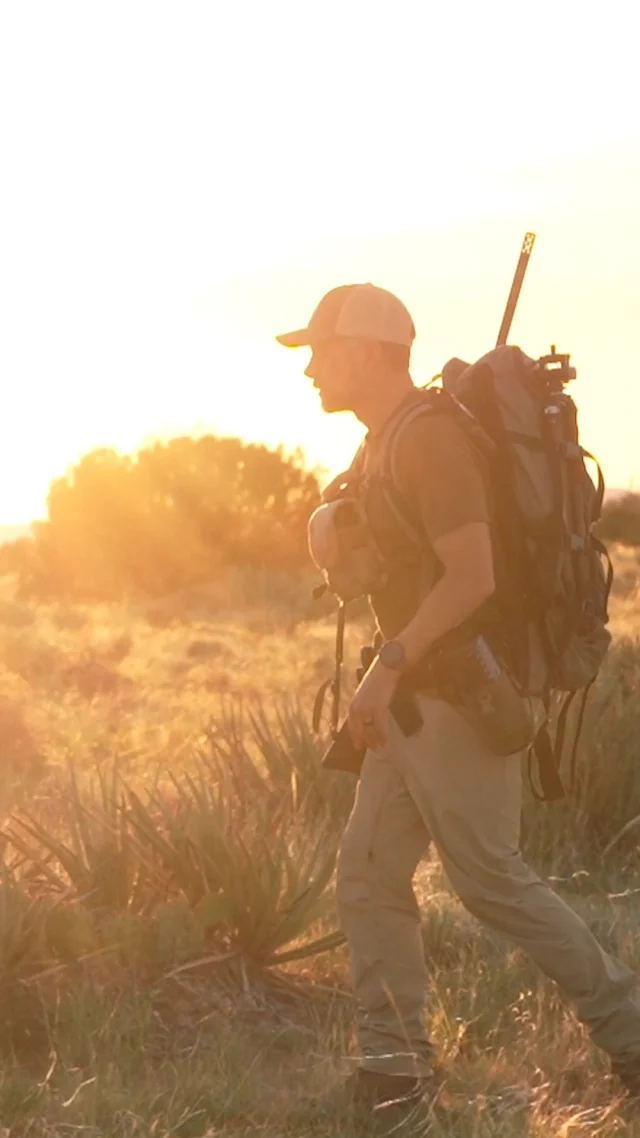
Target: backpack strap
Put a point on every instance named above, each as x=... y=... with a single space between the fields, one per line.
x=599 y=498
x=390 y=485
x=342 y=482
x=573 y=763
x=551 y=788
x=435 y=400
x=549 y=755
x=602 y=550
x=415 y=411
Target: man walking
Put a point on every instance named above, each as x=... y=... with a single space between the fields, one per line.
x=441 y=785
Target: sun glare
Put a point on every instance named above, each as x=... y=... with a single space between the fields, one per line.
x=161 y=229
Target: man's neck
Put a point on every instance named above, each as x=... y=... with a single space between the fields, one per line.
x=376 y=414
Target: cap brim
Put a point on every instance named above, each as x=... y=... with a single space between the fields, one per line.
x=299 y=339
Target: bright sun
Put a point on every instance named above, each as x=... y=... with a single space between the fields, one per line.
x=158 y=230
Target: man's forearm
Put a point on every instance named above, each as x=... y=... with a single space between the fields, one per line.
x=448 y=604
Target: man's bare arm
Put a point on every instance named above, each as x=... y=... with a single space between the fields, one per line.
x=467 y=581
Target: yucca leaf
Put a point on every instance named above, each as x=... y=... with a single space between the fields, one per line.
x=311 y=948
x=33 y=858
x=69 y=860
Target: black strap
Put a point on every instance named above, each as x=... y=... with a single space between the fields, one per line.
x=604 y=552
x=549 y=756
x=597 y=509
x=318 y=705
x=573 y=764
x=551 y=788
x=334 y=684
x=337 y=679
x=561 y=727
x=558 y=535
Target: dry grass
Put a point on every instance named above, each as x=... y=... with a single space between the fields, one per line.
x=97 y=1044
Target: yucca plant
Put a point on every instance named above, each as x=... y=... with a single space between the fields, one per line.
x=278 y=740
x=23 y=930
x=24 y=955
x=291 y=752
x=241 y=854
x=96 y=852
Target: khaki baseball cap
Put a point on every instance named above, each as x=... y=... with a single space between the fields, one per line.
x=361 y=310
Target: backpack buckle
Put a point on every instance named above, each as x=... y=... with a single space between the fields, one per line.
x=570 y=450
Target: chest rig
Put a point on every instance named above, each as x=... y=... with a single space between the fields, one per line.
x=344 y=547
x=342 y=542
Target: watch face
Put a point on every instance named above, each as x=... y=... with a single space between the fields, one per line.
x=392 y=655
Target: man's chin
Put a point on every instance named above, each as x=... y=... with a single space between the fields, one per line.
x=331 y=406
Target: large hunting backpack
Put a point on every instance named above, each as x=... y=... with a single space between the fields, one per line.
x=553 y=576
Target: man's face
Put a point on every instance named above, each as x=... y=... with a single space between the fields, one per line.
x=341 y=369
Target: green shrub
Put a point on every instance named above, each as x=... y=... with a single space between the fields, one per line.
x=620 y=520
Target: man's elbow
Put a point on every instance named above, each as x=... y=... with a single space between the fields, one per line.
x=487 y=585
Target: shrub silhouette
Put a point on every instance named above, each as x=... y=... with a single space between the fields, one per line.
x=620 y=520
x=165 y=519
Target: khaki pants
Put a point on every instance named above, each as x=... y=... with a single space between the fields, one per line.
x=442 y=786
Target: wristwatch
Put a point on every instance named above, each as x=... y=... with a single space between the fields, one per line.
x=393 y=656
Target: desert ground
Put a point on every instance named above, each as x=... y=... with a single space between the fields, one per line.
x=170 y=963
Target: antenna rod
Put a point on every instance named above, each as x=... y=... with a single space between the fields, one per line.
x=521 y=268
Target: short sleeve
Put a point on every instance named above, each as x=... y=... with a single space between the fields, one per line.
x=442 y=475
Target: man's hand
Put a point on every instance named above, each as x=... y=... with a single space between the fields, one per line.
x=467 y=581
x=369 y=708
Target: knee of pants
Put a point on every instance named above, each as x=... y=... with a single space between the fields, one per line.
x=369 y=878
x=354 y=884
x=487 y=885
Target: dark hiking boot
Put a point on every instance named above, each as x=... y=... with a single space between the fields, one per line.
x=377 y=1101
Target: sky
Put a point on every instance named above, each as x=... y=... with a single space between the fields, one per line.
x=181 y=181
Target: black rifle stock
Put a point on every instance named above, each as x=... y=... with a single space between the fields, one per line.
x=342 y=755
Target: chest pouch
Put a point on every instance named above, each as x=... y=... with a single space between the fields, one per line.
x=344 y=549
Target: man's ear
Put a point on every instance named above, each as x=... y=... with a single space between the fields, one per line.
x=371 y=356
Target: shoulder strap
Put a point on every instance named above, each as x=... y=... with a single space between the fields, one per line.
x=388 y=465
x=341 y=482
x=435 y=401
x=390 y=458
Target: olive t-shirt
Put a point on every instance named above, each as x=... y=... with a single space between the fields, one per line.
x=442 y=480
